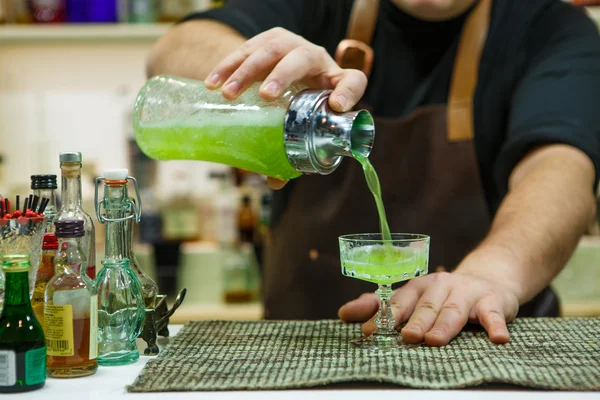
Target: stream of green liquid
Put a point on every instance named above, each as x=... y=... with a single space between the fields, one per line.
x=375 y=187
x=382 y=263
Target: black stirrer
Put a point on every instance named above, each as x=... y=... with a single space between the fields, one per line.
x=30 y=202
x=43 y=205
x=18 y=203
x=36 y=199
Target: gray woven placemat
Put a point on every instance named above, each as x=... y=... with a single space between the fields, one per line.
x=561 y=353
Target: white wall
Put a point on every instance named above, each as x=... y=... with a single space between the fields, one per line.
x=73 y=95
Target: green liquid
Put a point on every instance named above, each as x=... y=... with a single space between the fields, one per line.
x=375 y=187
x=384 y=264
x=243 y=140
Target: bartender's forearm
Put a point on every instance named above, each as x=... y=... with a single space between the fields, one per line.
x=538 y=225
x=192 y=49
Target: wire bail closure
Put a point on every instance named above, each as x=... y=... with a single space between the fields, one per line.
x=137 y=208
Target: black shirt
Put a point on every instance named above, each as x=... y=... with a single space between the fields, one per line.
x=539 y=78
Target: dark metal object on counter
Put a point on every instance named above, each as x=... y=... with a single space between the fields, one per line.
x=157 y=321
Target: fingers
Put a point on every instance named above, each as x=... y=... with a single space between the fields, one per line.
x=360 y=309
x=426 y=312
x=348 y=90
x=304 y=62
x=493 y=319
x=451 y=319
x=274 y=43
x=281 y=58
x=275 y=183
x=256 y=67
x=402 y=304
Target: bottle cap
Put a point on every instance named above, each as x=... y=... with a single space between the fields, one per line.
x=50 y=242
x=316 y=137
x=43 y=182
x=70 y=156
x=69 y=229
x=119 y=174
x=15 y=262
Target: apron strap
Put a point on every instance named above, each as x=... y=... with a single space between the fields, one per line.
x=355 y=51
x=465 y=74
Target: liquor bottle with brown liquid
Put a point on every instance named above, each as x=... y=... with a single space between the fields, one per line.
x=71 y=309
x=44 y=273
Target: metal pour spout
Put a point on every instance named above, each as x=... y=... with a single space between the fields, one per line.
x=316 y=137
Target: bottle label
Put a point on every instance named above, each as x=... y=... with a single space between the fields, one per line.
x=35 y=366
x=8 y=368
x=58 y=321
x=93 y=327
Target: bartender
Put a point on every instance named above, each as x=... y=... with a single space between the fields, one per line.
x=487 y=139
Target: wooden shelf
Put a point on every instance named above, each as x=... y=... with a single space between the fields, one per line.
x=81 y=32
x=580 y=310
x=195 y=312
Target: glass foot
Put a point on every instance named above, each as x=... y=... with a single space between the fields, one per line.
x=378 y=341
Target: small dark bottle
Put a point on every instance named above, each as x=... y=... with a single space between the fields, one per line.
x=22 y=342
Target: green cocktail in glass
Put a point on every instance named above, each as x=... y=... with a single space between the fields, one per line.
x=384 y=262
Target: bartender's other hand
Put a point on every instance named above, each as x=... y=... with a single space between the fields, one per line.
x=280 y=58
x=437 y=307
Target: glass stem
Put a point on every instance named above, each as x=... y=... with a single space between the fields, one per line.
x=385 y=318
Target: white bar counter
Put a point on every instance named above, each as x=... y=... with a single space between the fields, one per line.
x=109 y=384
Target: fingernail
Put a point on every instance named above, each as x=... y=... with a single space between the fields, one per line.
x=213 y=79
x=342 y=101
x=232 y=87
x=435 y=332
x=272 y=88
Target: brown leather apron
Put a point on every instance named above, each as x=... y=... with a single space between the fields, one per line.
x=430 y=181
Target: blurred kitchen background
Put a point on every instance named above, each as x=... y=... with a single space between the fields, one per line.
x=69 y=74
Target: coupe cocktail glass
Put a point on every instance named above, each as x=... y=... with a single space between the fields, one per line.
x=384 y=262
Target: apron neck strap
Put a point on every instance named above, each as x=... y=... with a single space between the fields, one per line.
x=465 y=73
x=355 y=51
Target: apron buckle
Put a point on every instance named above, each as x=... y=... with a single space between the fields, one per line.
x=354 y=54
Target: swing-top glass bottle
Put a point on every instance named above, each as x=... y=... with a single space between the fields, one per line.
x=121 y=308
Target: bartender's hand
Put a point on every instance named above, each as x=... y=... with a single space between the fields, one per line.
x=437 y=307
x=281 y=58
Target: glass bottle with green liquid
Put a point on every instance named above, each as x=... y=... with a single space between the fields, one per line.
x=180 y=119
x=22 y=341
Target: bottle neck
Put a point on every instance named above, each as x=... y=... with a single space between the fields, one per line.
x=71 y=185
x=69 y=258
x=116 y=204
x=128 y=240
x=17 y=289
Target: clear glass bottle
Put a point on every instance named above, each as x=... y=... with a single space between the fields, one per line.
x=45 y=272
x=240 y=274
x=71 y=209
x=149 y=287
x=44 y=186
x=70 y=308
x=22 y=342
x=179 y=119
x=121 y=309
